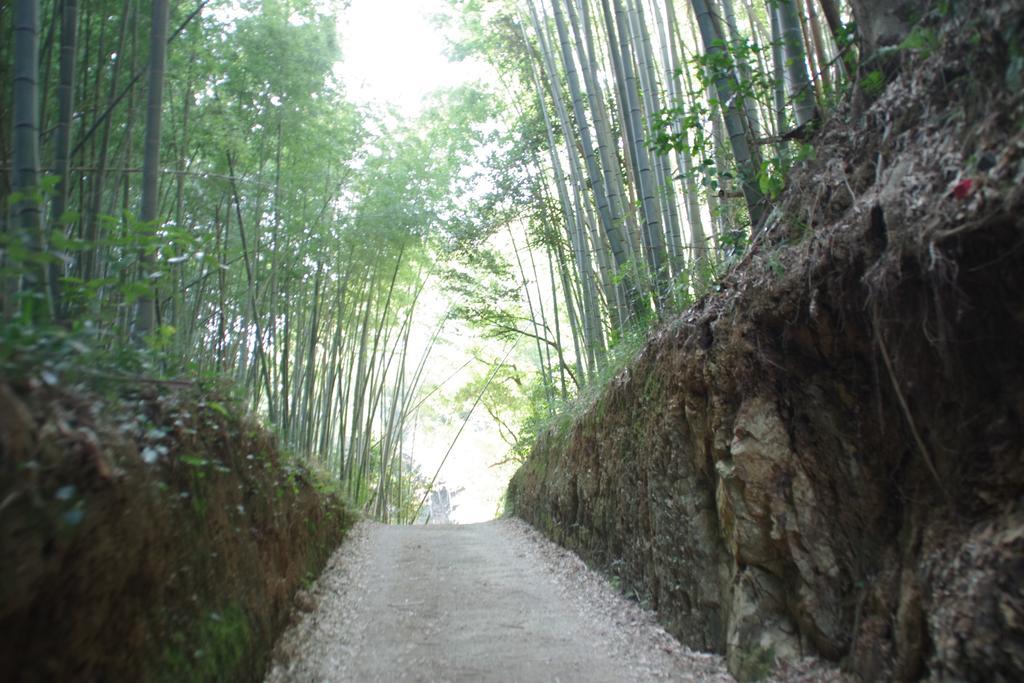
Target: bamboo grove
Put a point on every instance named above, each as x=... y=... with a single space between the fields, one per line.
x=188 y=178
x=646 y=141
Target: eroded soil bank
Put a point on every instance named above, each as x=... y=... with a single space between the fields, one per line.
x=825 y=455
x=148 y=534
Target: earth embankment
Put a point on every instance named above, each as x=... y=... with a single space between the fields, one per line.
x=826 y=455
x=148 y=533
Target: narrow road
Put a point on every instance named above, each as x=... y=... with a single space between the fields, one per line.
x=483 y=602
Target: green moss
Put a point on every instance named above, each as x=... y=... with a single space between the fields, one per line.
x=197 y=493
x=537 y=465
x=873 y=83
x=199 y=506
x=652 y=387
x=755 y=664
x=215 y=649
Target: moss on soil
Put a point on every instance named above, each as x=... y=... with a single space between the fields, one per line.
x=155 y=536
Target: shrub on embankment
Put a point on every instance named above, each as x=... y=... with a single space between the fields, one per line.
x=827 y=455
x=150 y=534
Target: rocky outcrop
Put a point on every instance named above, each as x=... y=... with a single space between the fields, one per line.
x=826 y=456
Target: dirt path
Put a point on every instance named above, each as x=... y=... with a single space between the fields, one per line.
x=483 y=602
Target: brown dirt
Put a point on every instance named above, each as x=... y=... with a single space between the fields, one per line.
x=826 y=456
x=115 y=568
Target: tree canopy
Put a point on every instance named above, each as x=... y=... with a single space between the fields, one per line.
x=188 y=188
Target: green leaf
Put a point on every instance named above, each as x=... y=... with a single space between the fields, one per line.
x=49 y=182
x=806 y=152
x=873 y=82
x=133 y=291
x=217 y=408
x=68 y=217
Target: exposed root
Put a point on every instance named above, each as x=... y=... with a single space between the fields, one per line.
x=921 y=446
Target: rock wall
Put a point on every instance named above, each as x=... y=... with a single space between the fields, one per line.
x=826 y=456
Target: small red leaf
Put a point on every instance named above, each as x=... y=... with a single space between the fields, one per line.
x=963 y=188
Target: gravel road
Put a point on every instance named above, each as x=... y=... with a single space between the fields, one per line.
x=480 y=602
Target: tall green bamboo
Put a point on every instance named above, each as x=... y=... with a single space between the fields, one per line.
x=795 y=59
x=27 y=212
x=149 y=213
x=712 y=38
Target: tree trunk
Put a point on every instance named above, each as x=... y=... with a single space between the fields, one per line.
x=589 y=311
x=712 y=39
x=668 y=236
x=818 y=39
x=778 y=80
x=62 y=145
x=743 y=73
x=698 y=239
x=608 y=225
x=609 y=160
x=811 y=56
x=654 y=242
x=145 y=316
x=90 y=257
x=800 y=89
x=27 y=215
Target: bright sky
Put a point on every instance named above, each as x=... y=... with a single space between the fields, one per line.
x=393 y=54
